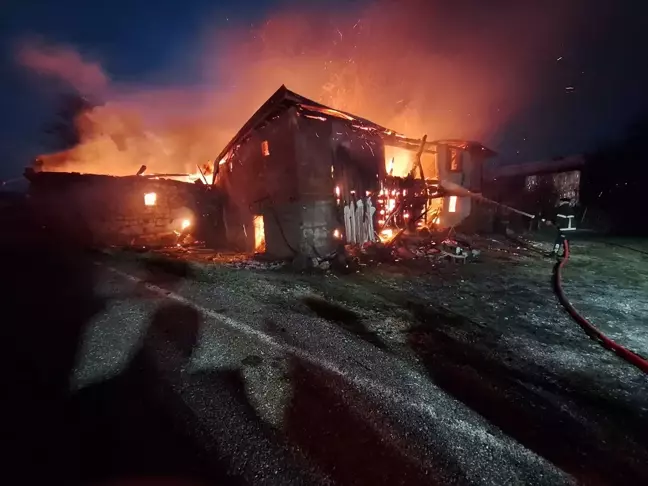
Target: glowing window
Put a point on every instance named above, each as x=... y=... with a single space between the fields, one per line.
x=259 y=234
x=265 y=148
x=455 y=160
x=150 y=198
x=452 y=204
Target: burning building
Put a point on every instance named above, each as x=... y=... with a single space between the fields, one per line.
x=298 y=178
x=124 y=211
x=301 y=177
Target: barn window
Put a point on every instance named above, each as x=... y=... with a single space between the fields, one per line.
x=452 y=204
x=265 y=148
x=259 y=234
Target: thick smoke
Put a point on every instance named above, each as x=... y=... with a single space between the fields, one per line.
x=415 y=66
x=65 y=63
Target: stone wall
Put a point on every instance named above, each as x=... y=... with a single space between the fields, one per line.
x=112 y=210
x=257 y=182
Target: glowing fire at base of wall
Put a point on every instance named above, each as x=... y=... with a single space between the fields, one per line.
x=259 y=234
x=184 y=224
x=387 y=235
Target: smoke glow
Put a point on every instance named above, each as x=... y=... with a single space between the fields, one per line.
x=419 y=67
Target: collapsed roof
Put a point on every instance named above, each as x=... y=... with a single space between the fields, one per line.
x=284 y=99
x=50 y=177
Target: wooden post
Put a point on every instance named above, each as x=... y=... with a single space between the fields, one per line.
x=417 y=163
x=419 y=154
x=202 y=174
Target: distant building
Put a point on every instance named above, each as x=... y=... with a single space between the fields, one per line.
x=535 y=186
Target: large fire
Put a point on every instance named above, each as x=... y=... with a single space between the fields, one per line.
x=432 y=74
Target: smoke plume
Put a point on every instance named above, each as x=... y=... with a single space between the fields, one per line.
x=419 y=67
x=66 y=64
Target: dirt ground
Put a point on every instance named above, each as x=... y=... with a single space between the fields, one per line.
x=491 y=334
x=472 y=372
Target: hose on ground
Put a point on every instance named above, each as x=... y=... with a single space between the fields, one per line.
x=624 y=353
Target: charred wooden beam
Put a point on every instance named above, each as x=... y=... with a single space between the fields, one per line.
x=417 y=160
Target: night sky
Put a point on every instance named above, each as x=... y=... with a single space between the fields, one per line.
x=157 y=43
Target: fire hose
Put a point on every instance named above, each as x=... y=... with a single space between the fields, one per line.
x=624 y=353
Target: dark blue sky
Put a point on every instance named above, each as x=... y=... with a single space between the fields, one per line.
x=137 y=41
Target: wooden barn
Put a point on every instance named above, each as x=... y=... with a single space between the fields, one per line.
x=301 y=178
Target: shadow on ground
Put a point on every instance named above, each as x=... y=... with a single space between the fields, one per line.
x=47 y=299
x=530 y=405
x=346 y=319
x=139 y=424
x=135 y=424
x=337 y=429
x=120 y=427
x=345 y=443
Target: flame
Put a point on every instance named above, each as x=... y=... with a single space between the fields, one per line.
x=336 y=234
x=185 y=224
x=398 y=161
x=150 y=199
x=387 y=235
x=465 y=89
x=259 y=234
x=320 y=118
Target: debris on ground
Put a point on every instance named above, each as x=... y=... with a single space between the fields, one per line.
x=429 y=249
x=420 y=251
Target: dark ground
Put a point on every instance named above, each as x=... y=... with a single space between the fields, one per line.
x=407 y=374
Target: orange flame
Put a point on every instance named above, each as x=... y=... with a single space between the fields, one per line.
x=259 y=234
x=387 y=235
x=432 y=74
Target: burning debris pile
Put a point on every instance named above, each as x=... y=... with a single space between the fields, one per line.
x=429 y=247
x=422 y=249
